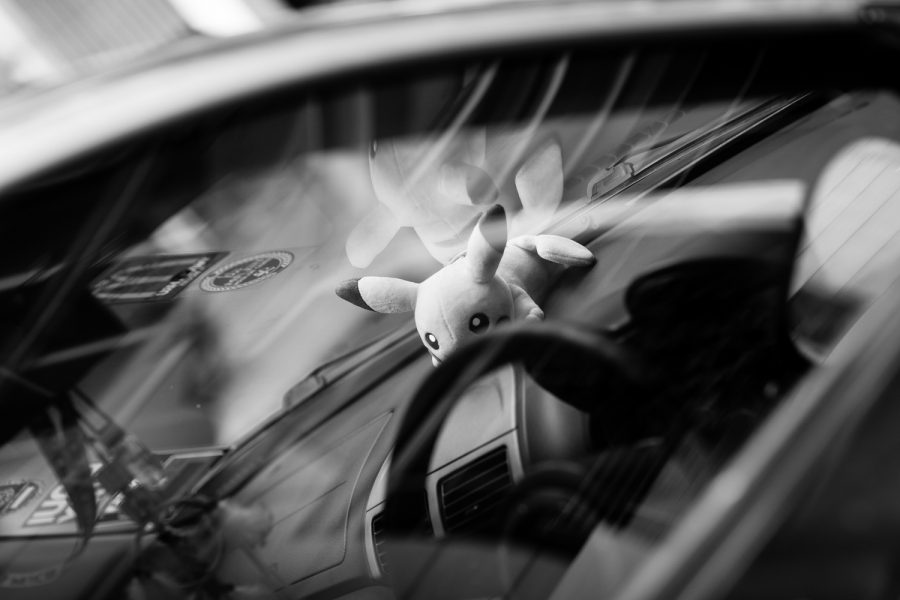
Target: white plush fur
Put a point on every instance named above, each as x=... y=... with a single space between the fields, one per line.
x=492 y=283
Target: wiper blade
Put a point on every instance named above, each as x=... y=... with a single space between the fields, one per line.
x=332 y=370
x=689 y=149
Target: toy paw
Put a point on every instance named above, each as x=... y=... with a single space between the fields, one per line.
x=535 y=314
x=563 y=251
x=556 y=249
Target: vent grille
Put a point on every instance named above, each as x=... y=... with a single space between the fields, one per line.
x=378 y=538
x=378 y=541
x=471 y=494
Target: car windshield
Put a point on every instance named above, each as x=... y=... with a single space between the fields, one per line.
x=199 y=285
x=227 y=292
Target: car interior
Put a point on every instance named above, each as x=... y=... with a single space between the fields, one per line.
x=197 y=414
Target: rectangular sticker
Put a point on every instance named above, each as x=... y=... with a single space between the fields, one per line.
x=151 y=278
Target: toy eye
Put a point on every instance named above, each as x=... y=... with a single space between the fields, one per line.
x=479 y=323
x=432 y=341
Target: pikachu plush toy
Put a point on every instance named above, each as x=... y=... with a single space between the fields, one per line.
x=493 y=281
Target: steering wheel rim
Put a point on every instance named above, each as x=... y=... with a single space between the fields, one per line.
x=525 y=342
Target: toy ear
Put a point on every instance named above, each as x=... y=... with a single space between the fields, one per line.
x=380 y=294
x=486 y=244
x=540 y=180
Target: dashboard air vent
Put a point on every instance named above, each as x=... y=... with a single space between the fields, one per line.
x=378 y=541
x=471 y=494
x=378 y=538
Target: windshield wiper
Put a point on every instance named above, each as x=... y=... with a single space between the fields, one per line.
x=688 y=150
x=332 y=370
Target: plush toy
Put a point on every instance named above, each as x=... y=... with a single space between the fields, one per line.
x=492 y=282
x=440 y=191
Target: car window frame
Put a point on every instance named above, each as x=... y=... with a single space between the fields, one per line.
x=107 y=109
x=693 y=563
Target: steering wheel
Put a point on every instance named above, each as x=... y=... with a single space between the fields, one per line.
x=551 y=353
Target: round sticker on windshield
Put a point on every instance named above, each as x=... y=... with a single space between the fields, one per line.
x=246 y=271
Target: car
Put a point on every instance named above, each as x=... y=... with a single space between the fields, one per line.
x=704 y=409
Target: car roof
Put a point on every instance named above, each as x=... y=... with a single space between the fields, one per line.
x=44 y=129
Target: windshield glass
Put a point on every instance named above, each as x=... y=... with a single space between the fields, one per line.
x=216 y=287
x=227 y=289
